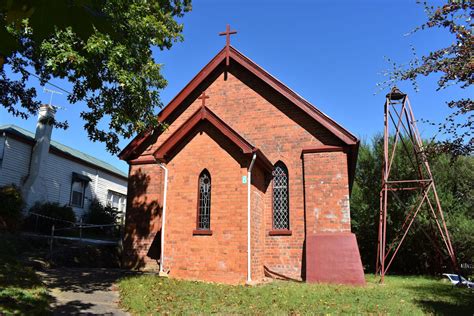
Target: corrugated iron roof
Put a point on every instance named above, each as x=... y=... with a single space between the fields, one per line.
x=21 y=132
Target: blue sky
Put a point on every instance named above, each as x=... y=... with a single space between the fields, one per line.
x=329 y=52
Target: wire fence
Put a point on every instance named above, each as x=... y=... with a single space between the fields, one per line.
x=60 y=229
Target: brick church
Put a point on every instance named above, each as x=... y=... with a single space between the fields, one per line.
x=248 y=180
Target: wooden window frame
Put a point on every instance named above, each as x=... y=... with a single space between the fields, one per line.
x=84 y=184
x=78 y=177
x=111 y=193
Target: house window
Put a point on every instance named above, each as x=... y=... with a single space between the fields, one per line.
x=204 y=201
x=281 y=213
x=78 y=189
x=117 y=201
x=77 y=193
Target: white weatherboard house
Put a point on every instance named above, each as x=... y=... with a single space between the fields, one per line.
x=46 y=170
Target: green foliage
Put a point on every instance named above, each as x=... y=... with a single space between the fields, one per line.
x=100 y=214
x=10 y=207
x=61 y=216
x=103 y=48
x=453 y=179
x=453 y=63
x=152 y=295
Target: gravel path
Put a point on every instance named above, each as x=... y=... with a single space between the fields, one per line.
x=84 y=291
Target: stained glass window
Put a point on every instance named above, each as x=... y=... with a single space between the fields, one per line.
x=281 y=213
x=204 y=211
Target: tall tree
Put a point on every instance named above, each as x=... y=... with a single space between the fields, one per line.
x=453 y=178
x=455 y=65
x=102 y=47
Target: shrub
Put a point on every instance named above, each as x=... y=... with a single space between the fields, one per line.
x=10 y=207
x=61 y=216
x=100 y=215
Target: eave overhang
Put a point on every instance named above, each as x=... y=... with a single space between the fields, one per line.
x=204 y=114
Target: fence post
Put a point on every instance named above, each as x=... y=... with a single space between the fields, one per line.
x=51 y=243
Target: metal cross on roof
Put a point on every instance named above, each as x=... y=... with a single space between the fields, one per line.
x=227 y=34
x=203 y=97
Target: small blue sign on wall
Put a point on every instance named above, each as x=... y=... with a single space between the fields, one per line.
x=244 y=179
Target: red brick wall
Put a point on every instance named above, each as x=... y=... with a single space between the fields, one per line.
x=258 y=208
x=326 y=192
x=143 y=217
x=223 y=256
x=281 y=131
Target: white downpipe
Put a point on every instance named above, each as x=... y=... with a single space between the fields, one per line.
x=249 y=184
x=163 y=219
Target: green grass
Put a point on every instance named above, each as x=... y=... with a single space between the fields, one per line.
x=21 y=290
x=150 y=294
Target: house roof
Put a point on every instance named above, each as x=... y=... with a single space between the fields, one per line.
x=204 y=114
x=62 y=149
x=235 y=56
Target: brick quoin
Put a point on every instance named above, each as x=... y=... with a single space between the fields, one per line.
x=319 y=186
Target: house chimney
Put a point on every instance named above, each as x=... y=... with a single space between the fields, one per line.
x=32 y=189
x=44 y=128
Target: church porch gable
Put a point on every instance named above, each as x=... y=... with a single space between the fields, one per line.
x=222 y=255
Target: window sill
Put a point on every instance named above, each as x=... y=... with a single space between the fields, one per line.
x=280 y=232
x=202 y=232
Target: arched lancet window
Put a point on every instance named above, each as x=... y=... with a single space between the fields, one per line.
x=281 y=210
x=204 y=201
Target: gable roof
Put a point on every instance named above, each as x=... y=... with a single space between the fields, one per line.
x=235 y=56
x=63 y=150
x=204 y=114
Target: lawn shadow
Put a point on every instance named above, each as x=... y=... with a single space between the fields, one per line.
x=87 y=281
x=21 y=290
x=74 y=308
x=444 y=299
x=24 y=302
x=17 y=275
